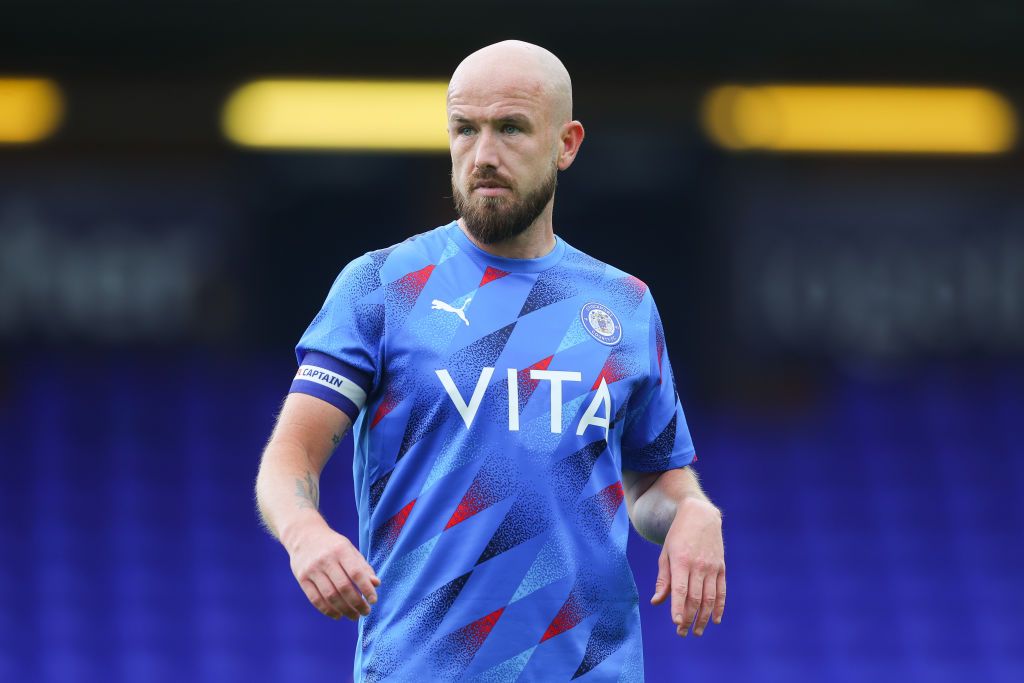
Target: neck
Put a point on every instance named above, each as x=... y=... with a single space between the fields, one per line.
x=536 y=241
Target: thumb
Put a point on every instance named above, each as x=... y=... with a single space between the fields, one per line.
x=664 y=581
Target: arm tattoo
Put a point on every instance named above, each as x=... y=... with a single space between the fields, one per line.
x=335 y=439
x=308 y=492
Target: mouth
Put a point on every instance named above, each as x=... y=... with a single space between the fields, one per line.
x=490 y=188
x=491 y=191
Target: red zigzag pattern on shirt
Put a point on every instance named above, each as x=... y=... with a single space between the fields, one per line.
x=491 y=274
x=614 y=370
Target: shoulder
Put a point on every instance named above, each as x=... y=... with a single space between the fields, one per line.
x=380 y=266
x=626 y=290
x=581 y=260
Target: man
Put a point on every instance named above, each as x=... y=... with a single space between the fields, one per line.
x=508 y=393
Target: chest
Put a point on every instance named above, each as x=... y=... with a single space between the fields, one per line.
x=561 y=363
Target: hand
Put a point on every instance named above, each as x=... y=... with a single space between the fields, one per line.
x=692 y=567
x=332 y=572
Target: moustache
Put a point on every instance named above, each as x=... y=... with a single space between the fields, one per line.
x=488 y=179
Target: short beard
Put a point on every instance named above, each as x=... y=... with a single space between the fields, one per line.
x=497 y=219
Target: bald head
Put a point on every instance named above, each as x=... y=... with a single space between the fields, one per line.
x=516 y=68
x=510 y=131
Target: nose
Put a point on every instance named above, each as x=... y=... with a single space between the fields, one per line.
x=486 y=152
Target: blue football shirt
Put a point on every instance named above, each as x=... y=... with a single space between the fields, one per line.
x=495 y=402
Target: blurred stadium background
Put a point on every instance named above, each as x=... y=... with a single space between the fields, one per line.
x=847 y=327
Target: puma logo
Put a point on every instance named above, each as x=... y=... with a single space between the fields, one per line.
x=439 y=305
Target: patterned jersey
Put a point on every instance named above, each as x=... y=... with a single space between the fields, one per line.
x=495 y=403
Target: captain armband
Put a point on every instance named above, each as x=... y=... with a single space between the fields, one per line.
x=332 y=381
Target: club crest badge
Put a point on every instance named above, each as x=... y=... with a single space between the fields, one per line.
x=601 y=323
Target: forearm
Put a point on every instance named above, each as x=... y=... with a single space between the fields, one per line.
x=656 y=509
x=287 y=489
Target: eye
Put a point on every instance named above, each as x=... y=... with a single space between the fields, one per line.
x=510 y=129
x=464 y=130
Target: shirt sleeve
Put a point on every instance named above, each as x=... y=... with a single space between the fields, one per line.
x=339 y=354
x=655 y=435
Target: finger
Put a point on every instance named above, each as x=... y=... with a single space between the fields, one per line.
x=326 y=588
x=720 y=597
x=707 y=603
x=317 y=600
x=680 y=590
x=692 y=601
x=362 y=575
x=346 y=590
x=664 y=581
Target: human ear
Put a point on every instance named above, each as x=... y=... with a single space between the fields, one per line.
x=570 y=139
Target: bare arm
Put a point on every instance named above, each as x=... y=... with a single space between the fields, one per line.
x=329 y=568
x=652 y=499
x=288 y=483
x=670 y=508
